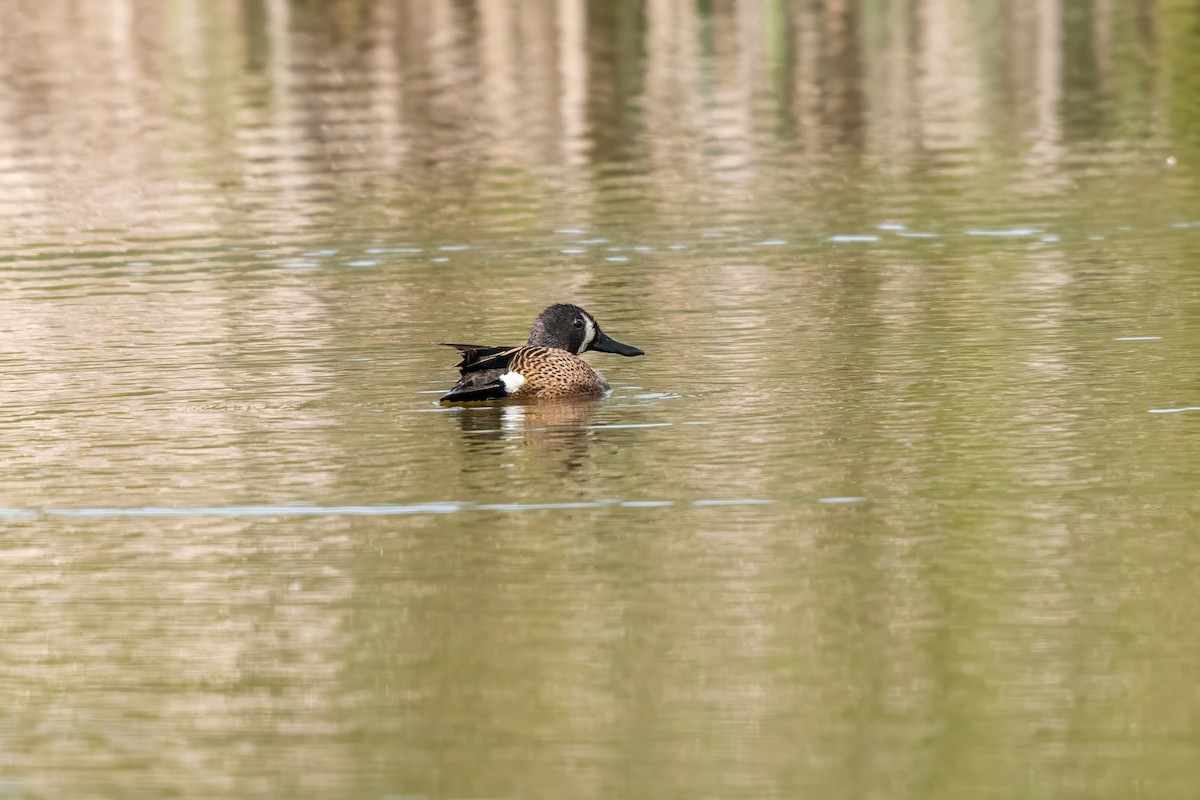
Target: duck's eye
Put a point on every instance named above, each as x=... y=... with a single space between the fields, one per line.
x=578 y=322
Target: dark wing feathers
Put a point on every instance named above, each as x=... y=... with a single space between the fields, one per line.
x=481 y=367
x=476 y=354
x=475 y=387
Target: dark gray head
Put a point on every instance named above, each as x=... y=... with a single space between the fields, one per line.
x=572 y=329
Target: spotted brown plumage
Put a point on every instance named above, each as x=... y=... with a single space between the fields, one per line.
x=550 y=372
x=548 y=365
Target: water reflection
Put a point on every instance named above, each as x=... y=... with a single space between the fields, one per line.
x=554 y=435
x=305 y=107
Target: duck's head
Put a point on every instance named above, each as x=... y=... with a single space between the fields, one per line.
x=570 y=328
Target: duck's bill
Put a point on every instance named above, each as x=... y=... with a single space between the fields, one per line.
x=605 y=344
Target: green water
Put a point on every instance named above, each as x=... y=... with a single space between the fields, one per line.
x=901 y=502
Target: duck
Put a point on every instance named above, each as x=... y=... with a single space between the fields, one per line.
x=546 y=366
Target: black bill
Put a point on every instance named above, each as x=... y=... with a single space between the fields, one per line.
x=608 y=345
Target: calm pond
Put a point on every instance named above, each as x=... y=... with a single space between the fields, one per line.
x=903 y=500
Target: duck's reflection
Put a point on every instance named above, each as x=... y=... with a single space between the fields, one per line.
x=556 y=432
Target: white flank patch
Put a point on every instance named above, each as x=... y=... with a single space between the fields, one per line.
x=512 y=381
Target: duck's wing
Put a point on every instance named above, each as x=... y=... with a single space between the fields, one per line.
x=473 y=354
x=475 y=386
x=481 y=368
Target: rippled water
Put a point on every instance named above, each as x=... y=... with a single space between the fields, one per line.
x=901 y=501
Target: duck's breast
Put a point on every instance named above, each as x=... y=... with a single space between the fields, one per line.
x=550 y=372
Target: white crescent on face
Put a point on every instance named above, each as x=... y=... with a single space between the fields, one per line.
x=589 y=335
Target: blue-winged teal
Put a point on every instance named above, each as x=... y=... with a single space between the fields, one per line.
x=548 y=365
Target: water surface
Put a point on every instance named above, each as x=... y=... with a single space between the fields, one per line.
x=901 y=501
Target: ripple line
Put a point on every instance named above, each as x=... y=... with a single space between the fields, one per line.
x=384 y=509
